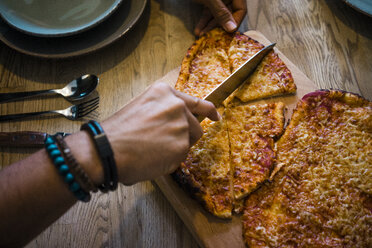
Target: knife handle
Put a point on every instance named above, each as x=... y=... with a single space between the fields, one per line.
x=22 y=139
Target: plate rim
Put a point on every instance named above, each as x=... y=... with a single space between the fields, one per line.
x=352 y=4
x=86 y=26
x=84 y=51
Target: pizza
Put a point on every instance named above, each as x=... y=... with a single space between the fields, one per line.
x=206 y=171
x=271 y=78
x=321 y=195
x=252 y=129
x=216 y=54
x=227 y=164
x=206 y=64
x=213 y=172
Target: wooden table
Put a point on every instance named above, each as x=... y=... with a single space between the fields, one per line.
x=329 y=41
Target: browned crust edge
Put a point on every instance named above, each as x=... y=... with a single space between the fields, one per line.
x=186 y=63
x=197 y=191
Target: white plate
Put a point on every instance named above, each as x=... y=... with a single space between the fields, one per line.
x=55 y=17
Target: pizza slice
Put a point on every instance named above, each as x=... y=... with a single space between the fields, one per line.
x=206 y=172
x=271 y=78
x=206 y=64
x=252 y=129
x=321 y=195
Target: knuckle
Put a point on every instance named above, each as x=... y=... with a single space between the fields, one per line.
x=195 y=103
x=179 y=103
x=161 y=87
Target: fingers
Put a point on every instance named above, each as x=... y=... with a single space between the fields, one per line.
x=195 y=131
x=227 y=13
x=203 y=22
x=198 y=106
x=211 y=25
x=239 y=8
x=222 y=14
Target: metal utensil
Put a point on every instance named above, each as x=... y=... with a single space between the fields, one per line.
x=24 y=138
x=73 y=112
x=223 y=90
x=77 y=89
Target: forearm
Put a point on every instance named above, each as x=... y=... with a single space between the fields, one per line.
x=149 y=137
x=33 y=194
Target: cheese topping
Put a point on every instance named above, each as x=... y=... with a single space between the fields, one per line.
x=322 y=196
x=208 y=165
x=251 y=131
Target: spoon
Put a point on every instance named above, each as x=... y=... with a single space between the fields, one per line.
x=77 y=89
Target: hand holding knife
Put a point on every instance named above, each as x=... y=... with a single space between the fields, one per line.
x=217 y=96
x=231 y=83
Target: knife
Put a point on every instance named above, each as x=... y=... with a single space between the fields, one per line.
x=24 y=138
x=223 y=90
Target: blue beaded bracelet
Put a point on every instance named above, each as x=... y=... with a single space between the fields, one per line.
x=63 y=169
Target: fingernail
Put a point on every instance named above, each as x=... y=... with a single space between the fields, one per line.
x=230 y=26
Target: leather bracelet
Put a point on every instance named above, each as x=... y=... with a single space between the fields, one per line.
x=105 y=153
x=80 y=175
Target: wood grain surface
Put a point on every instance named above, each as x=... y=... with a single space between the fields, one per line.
x=327 y=40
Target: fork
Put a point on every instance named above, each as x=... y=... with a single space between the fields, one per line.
x=73 y=112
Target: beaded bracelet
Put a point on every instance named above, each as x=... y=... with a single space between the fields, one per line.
x=63 y=169
x=105 y=153
x=80 y=175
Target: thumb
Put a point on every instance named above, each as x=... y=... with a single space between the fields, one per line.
x=222 y=14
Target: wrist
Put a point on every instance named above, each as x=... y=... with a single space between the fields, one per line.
x=84 y=151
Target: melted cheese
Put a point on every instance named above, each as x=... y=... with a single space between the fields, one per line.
x=322 y=196
x=210 y=65
x=271 y=78
x=208 y=164
x=251 y=131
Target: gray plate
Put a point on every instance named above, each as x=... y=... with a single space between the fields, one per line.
x=119 y=23
x=56 y=18
x=364 y=6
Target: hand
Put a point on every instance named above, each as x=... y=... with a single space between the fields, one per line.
x=227 y=13
x=152 y=134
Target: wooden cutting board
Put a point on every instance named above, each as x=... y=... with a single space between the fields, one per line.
x=208 y=230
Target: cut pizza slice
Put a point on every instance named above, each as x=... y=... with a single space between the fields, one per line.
x=206 y=64
x=271 y=78
x=206 y=172
x=252 y=129
x=321 y=194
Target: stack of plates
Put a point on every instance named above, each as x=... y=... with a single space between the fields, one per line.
x=65 y=28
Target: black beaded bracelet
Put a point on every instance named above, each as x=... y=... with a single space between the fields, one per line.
x=105 y=153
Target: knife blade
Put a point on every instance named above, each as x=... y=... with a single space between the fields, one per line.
x=223 y=90
x=24 y=138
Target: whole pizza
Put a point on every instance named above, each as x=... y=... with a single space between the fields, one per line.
x=306 y=185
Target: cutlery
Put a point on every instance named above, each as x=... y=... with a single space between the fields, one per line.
x=73 y=112
x=223 y=90
x=25 y=138
x=77 y=89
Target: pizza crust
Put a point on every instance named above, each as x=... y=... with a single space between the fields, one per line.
x=206 y=64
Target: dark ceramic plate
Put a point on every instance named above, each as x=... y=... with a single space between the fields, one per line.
x=364 y=6
x=56 y=18
x=114 y=27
